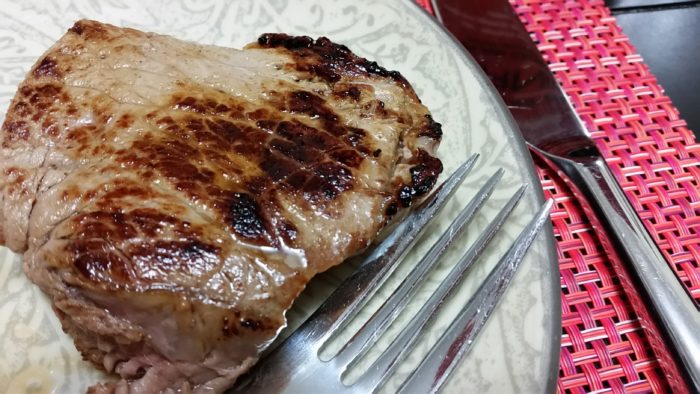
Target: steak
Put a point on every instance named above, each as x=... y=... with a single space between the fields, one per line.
x=173 y=199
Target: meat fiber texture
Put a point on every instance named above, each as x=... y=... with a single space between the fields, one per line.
x=173 y=199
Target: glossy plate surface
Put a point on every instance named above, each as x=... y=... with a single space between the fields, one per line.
x=518 y=349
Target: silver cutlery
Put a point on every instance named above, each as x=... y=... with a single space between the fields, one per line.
x=492 y=33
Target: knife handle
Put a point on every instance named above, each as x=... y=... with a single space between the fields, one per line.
x=676 y=312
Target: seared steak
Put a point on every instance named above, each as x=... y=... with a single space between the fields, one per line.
x=173 y=199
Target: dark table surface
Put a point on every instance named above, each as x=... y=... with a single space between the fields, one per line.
x=667 y=35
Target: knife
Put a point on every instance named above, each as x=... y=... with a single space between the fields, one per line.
x=493 y=34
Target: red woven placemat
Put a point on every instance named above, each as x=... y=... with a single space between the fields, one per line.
x=647 y=146
x=608 y=342
x=656 y=161
x=603 y=345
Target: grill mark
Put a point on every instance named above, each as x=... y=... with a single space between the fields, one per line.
x=296 y=147
x=331 y=180
x=21 y=109
x=209 y=106
x=125 y=121
x=310 y=104
x=38 y=106
x=327 y=60
x=278 y=167
x=151 y=222
x=89 y=30
x=48 y=91
x=110 y=223
x=295 y=151
x=224 y=131
x=50 y=127
x=97 y=234
x=348 y=157
x=190 y=257
x=14 y=180
x=353 y=93
x=15 y=131
x=307 y=136
x=314 y=106
x=97 y=261
x=424 y=174
x=189 y=104
x=47 y=68
x=431 y=129
x=307 y=103
x=123 y=190
x=80 y=135
x=266 y=125
x=245 y=218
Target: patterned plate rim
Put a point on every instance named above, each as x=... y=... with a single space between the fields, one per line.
x=519 y=147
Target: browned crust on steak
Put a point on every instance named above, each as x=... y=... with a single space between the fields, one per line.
x=195 y=208
x=328 y=60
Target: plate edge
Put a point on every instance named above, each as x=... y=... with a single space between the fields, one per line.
x=512 y=128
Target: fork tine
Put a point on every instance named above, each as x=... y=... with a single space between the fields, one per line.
x=377 y=266
x=382 y=368
x=390 y=309
x=456 y=342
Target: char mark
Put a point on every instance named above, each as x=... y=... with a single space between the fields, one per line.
x=245 y=218
x=352 y=93
x=425 y=174
x=327 y=60
x=277 y=166
x=189 y=257
x=423 y=177
x=89 y=29
x=432 y=129
x=16 y=131
x=97 y=261
x=302 y=102
x=295 y=151
x=307 y=136
x=330 y=180
x=314 y=106
x=47 y=68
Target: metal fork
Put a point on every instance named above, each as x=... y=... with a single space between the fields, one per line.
x=295 y=366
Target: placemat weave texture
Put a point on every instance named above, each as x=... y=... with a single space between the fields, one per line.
x=603 y=345
x=647 y=146
x=607 y=346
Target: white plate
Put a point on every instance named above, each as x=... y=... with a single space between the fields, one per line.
x=518 y=349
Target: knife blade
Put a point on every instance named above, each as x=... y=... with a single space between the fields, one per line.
x=493 y=34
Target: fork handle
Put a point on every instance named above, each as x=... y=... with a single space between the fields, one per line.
x=676 y=312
